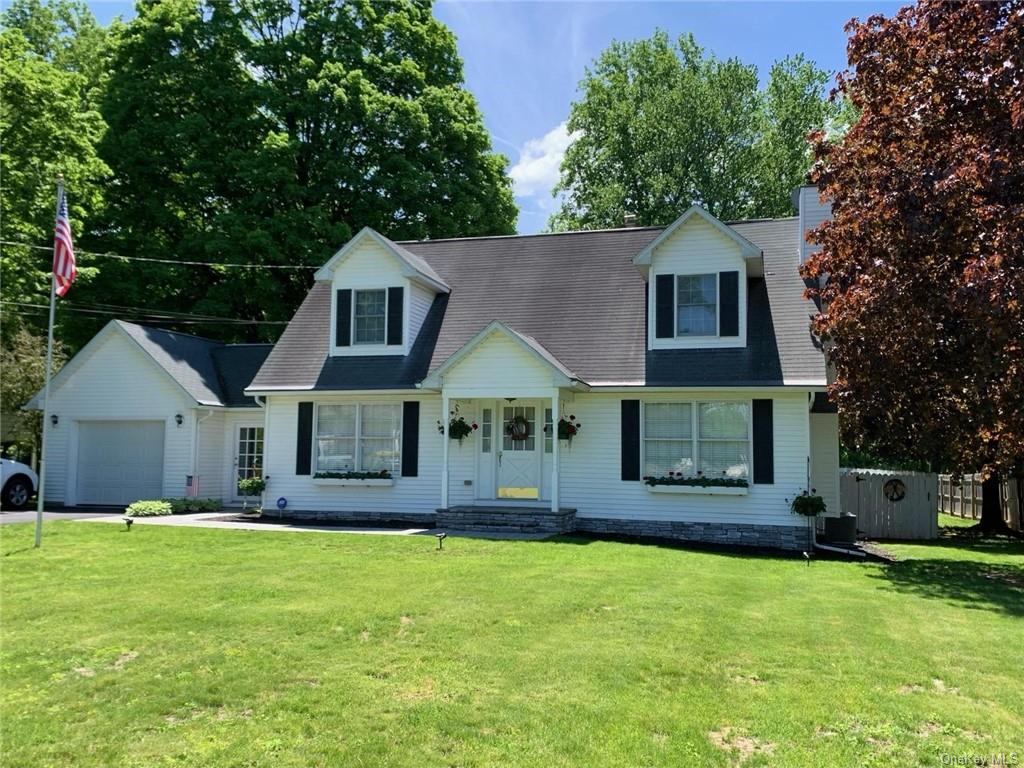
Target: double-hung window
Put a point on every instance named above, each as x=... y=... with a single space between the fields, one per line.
x=359 y=438
x=711 y=439
x=697 y=305
x=369 y=316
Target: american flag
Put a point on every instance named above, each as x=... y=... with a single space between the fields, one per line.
x=63 y=251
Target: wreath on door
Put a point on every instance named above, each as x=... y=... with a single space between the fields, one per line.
x=517 y=428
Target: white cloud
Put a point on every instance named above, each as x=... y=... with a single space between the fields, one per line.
x=536 y=173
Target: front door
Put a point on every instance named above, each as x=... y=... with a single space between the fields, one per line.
x=248 y=454
x=519 y=457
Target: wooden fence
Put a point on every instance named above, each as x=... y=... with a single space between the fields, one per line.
x=891 y=505
x=963 y=498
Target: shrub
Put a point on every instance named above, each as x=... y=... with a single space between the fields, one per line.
x=150 y=508
x=182 y=506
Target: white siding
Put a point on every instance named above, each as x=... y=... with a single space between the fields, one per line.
x=590 y=470
x=116 y=381
x=698 y=248
x=369 y=265
x=420 y=300
x=590 y=474
x=522 y=371
x=812 y=213
x=409 y=494
x=210 y=455
x=825 y=459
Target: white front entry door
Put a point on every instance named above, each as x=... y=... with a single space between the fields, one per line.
x=520 y=451
x=248 y=454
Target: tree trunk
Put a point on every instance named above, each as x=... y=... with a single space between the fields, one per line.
x=991 y=505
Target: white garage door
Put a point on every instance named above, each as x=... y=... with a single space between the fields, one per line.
x=120 y=461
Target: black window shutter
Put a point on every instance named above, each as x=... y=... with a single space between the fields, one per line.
x=410 y=438
x=395 y=307
x=764 y=443
x=304 y=440
x=728 y=303
x=343 y=318
x=630 y=439
x=664 y=306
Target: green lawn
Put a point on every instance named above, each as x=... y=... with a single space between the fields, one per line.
x=177 y=647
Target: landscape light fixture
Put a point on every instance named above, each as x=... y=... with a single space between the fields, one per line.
x=440 y=539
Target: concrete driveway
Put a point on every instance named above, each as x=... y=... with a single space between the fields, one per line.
x=29 y=515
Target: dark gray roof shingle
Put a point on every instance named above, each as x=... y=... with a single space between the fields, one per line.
x=581 y=299
x=211 y=372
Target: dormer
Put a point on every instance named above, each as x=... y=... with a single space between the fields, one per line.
x=812 y=212
x=696 y=272
x=380 y=295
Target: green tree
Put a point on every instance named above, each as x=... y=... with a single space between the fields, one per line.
x=49 y=125
x=269 y=132
x=660 y=126
x=23 y=362
x=794 y=104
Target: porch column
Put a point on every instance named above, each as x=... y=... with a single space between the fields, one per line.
x=554 y=452
x=444 y=450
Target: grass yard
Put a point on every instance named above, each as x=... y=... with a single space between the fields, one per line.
x=191 y=647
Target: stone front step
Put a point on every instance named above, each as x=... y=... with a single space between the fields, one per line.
x=531 y=519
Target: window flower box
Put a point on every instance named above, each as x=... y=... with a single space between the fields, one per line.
x=357 y=479
x=708 y=490
x=700 y=484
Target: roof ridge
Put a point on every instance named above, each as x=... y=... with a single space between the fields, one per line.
x=728 y=222
x=173 y=333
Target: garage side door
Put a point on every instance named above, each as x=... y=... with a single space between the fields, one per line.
x=120 y=461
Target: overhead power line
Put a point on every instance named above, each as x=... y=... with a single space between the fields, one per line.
x=149 y=314
x=109 y=255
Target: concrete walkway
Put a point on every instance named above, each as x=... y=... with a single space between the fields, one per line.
x=216 y=520
x=29 y=515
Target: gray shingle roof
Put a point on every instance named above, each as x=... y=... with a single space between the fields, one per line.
x=211 y=372
x=581 y=299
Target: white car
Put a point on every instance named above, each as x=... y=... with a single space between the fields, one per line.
x=19 y=482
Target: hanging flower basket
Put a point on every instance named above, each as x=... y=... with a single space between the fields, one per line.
x=517 y=428
x=567 y=428
x=458 y=427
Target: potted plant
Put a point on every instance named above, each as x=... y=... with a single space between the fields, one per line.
x=567 y=428
x=251 y=486
x=458 y=428
x=808 y=504
x=517 y=428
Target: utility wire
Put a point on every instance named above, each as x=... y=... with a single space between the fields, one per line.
x=149 y=314
x=110 y=255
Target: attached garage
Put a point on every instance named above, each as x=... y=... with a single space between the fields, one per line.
x=144 y=413
x=120 y=461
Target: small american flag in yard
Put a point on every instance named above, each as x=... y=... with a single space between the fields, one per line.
x=63 y=251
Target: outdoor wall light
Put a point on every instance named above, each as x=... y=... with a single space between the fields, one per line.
x=54 y=418
x=178 y=418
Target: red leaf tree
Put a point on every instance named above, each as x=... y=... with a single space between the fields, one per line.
x=921 y=270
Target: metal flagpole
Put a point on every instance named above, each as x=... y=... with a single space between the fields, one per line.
x=46 y=386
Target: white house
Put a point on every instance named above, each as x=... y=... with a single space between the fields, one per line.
x=683 y=352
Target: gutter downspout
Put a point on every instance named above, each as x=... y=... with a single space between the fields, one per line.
x=195 y=451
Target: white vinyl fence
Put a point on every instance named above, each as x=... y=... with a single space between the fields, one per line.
x=891 y=504
x=962 y=497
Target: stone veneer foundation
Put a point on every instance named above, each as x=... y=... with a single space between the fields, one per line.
x=734 y=534
x=543 y=520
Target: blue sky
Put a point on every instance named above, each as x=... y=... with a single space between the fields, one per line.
x=524 y=60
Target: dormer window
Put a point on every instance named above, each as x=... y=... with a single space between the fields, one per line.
x=369 y=317
x=370 y=320
x=697 y=305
